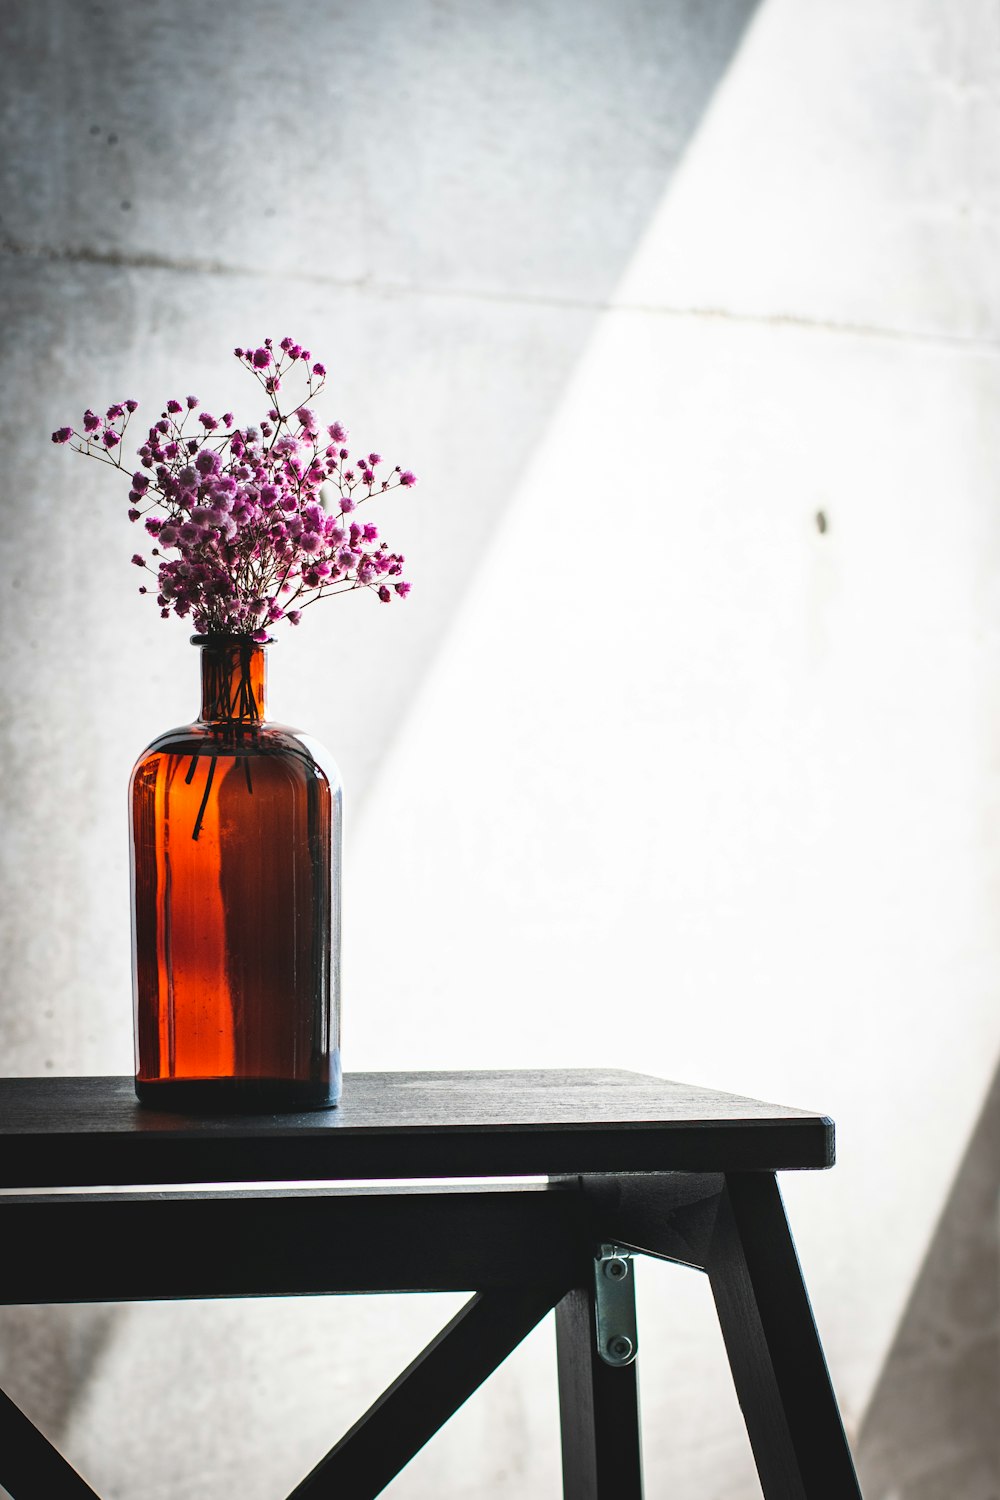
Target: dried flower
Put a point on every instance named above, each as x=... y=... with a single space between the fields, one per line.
x=244 y=538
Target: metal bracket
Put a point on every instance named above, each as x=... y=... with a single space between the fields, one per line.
x=614 y=1302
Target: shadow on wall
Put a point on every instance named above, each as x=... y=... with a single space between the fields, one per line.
x=47 y=1354
x=515 y=159
x=931 y=1429
x=500 y=164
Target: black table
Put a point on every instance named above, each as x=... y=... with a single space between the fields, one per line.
x=630 y=1164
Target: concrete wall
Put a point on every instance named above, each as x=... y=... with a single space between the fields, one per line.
x=656 y=770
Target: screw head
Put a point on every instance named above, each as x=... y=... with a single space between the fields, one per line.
x=616 y=1268
x=620 y=1346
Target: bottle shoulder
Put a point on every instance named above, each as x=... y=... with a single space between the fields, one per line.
x=268 y=740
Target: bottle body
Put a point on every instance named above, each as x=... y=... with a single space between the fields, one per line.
x=236 y=833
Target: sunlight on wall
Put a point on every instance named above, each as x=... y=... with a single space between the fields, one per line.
x=698 y=787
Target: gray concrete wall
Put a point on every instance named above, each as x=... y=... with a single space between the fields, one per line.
x=668 y=277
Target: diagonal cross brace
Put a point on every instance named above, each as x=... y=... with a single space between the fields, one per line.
x=30 y=1468
x=427 y=1393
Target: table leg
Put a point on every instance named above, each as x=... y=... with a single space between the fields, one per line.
x=774 y=1350
x=599 y=1408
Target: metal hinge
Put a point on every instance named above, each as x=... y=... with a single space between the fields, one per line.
x=614 y=1300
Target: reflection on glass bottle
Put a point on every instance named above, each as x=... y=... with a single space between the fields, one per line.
x=236 y=833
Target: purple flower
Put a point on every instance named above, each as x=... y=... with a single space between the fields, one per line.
x=140 y=562
x=247 y=522
x=293 y=616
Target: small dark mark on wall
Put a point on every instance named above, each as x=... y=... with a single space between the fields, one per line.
x=821 y=522
x=126 y=204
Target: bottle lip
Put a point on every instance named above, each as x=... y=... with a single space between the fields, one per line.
x=231 y=638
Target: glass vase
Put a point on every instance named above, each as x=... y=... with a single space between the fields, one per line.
x=236 y=833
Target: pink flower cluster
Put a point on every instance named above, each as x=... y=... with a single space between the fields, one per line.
x=249 y=525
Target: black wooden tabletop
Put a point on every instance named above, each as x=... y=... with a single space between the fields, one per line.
x=92 y=1131
x=71 y=1132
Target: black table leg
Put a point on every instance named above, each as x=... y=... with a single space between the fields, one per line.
x=599 y=1409
x=774 y=1350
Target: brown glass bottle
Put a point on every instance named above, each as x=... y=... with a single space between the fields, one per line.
x=236 y=834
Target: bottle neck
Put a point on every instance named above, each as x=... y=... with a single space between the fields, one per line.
x=233 y=680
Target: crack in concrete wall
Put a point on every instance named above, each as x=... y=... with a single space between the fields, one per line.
x=134 y=260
